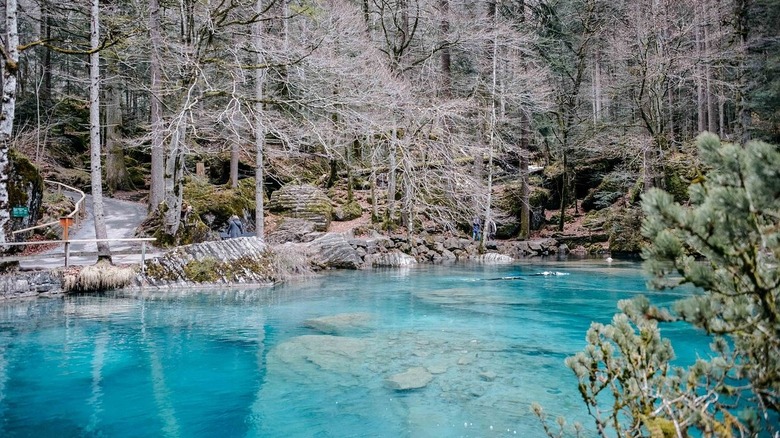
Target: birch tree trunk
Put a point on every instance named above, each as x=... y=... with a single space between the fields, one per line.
x=104 y=253
x=597 y=91
x=157 y=184
x=10 y=67
x=491 y=144
x=259 y=126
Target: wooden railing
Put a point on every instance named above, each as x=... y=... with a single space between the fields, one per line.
x=63 y=221
x=67 y=253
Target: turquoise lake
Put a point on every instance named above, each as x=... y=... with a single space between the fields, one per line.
x=312 y=358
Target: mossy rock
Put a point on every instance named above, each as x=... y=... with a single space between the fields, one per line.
x=25 y=188
x=303 y=202
x=625 y=231
x=596 y=220
x=556 y=218
x=78 y=178
x=191 y=230
x=680 y=169
x=202 y=271
x=23 y=177
x=607 y=193
x=539 y=197
x=214 y=204
x=510 y=198
x=303 y=169
x=212 y=269
x=137 y=175
x=348 y=211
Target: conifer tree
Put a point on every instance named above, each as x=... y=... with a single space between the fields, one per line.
x=727 y=245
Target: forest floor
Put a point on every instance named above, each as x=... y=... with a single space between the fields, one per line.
x=575 y=227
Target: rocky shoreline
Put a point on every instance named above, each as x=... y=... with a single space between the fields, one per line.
x=247 y=261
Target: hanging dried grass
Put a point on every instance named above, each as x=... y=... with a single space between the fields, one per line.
x=101 y=276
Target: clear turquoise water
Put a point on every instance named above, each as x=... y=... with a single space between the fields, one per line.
x=246 y=362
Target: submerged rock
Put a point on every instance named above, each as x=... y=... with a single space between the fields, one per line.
x=340 y=323
x=413 y=378
x=313 y=355
x=464 y=296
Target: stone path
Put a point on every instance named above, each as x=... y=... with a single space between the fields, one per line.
x=122 y=218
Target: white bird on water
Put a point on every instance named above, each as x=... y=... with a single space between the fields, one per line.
x=609 y=259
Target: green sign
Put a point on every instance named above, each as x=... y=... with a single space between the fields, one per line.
x=20 y=212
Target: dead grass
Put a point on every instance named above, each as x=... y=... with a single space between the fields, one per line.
x=101 y=276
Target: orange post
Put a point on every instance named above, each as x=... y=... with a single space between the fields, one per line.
x=65 y=223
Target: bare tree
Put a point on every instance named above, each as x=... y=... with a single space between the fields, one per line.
x=259 y=125
x=10 y=68
x=157 y=183
x=104 y=252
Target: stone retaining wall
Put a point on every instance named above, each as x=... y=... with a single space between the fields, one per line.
x=30 y=284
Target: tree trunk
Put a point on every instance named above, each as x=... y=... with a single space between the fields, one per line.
x=525 y=207
x=486 y=225
x=672 y=124
x=564 y=191
x=174 y=170
x=597 y=92
x=46 y=67
x=366 y=16
x=235 y=148
x=391 y=182
x=711 y=121
x=742 y=29
x=700 y=97
x=259 y=126
x=408 y=207
x=10 y=66
x=374 y=200
x=104 y=252
x=446 y=58
x=117 y=176
x=721 y=115
x=157 y=184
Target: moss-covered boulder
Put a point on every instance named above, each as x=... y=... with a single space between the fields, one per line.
x=25 y=189
x=604 y=195
x=191 y=229
x=679 y=170
x=348 y=211
x=244 y=260
x=304 y=202
x=214 y=204
x=625 y=231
